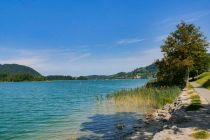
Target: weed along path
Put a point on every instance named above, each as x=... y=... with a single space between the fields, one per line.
x=203 y=92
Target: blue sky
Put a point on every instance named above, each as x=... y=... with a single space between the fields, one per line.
x=84 y=37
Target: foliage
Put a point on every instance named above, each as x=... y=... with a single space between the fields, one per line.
x=185 y=50
x=156 y=97
x=81 y=78
x=20 y=77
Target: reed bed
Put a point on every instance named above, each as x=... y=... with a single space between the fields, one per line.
x=145 y=97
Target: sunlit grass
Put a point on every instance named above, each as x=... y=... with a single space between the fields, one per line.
x=154 y=97
x=204 y=80
x=190 y=92
x=190 y=87
x=201 y=134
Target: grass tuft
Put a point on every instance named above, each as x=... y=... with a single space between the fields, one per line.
x=195 y=103
x=190 y=92
x=201 y=134
x=190 y=87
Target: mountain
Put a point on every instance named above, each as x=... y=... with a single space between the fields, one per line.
x=142 y=72
x=15 y=73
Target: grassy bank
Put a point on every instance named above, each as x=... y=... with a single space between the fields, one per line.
x=204 y=80
x=154 y=97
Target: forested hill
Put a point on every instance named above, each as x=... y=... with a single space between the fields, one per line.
x=142 y=72
x=14 y=69
x=15 y=72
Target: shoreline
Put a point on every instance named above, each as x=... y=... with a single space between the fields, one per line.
x=155 y=121
x=172 y=121
x=72 y=80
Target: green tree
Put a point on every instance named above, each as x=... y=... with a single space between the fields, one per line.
x=185 y=54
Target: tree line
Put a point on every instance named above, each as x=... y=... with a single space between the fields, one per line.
x=20 y=77
x=30 y=77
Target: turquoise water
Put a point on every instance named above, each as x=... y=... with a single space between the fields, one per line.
x=60 y=110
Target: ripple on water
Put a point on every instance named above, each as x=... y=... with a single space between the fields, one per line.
x=63 y=110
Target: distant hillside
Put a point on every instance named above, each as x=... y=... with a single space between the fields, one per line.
x=15 y=73
x=13 y=69
x=142 y=72
x=145 y=72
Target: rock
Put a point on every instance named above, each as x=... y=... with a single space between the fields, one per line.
x=120 y=126
x=174 y=127
x=166 y=127
x=167 y=107
x=167 y=117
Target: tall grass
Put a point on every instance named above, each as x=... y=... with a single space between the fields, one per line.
x=154 y=97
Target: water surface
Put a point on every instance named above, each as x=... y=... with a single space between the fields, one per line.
x=62 y=110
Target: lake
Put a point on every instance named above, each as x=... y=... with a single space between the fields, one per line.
x=60 y=110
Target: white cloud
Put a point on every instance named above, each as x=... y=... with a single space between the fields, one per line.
x=129 y=41
x=82 y=56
